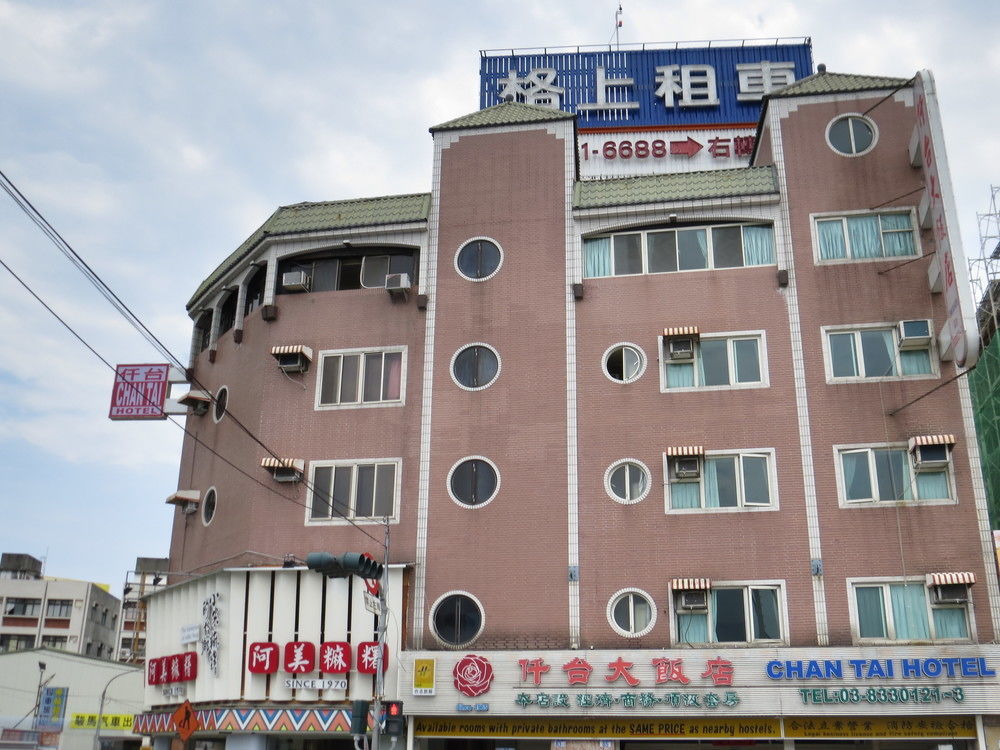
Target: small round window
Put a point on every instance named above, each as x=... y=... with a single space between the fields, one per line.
x=475 y=366
x=624 y=363
x=457 y=619
x=631 y=613
x=851 y=135
x=478 y=259
x=208 y=506
x=473 y=481
x=627 y=481
x=221 y=402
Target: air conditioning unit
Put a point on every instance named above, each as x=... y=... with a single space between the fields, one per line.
x=287 y=474
x=681 y=348
x=296 y=362
x=914 y=334
x=951 y=593
x=930 y=457
x=397 y=281
x=697 y=599
x=295 y=281
x=687 y=467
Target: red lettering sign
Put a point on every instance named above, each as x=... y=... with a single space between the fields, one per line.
x=262 y=658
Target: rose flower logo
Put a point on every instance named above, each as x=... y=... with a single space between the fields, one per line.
x=473 y=675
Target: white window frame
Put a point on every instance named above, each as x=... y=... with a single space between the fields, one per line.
x=481 y=238
x=850 y=116
x=742 y=507
x=622 y=345
x=353 y=519
x=777 y=584
x=826 y=216
x=361 y=352
x=633 y=592
x=934 y=374
x=838 y=450
x=433 y=611
x=884 y=581
x=709 y=247
x=642 y=495
x=729 y=336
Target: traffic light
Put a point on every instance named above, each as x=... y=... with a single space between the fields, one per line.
x=341 y=566
x=359 y=717
x=395 y=722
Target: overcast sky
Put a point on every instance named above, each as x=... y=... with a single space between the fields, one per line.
x=156 y=136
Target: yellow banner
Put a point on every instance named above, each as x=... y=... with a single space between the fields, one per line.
x=597 y=728
x=108 y=721
x=863 y=727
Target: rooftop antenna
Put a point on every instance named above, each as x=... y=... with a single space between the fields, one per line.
x=618 y=25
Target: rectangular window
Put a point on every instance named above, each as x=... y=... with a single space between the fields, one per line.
x=865 y=236
x=23 y=607
x=906 y=611
x=357 y=377
x=737 y=480
x=62 y=608
x=54 y=641
x=16 y=642
x=670 y=250
x=874 y=352
x=880 y=474
x=354 y=490
x=733 y=361
x=734 y=614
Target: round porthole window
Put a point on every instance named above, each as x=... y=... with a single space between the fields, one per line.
x=624 y=363
x=221 y=402
x=475 y=366
x=852 y=135
x=478 y=259
x=627 y=481
x=208 y=506
x=631 y=613
x=473 y=481
x=457 y=619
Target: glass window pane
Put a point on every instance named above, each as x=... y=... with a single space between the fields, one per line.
x=340 y=504
x=324 y=274
x=831 y=239
x=373 y=377
x=478 y=259
x=617 y=482
x=685 y=495
x=864 y=236
x=330 y=387
x=628 y=254
x=385 y=489
x=863 y=134
x=662 y=249
x=950 y=623
x=915 y=361
x=622 y=614
x=457 y=619
x=720 y=482
x=857 y=475
x=680 y=375
x=321 y=492
x=932 y=485
x=486 y=365
x=402 y=264
x=692 y=628
x=727 y=247
x=756 y=490
x=392 y=375
x=692 y=249
x=879 y=353
x=909 y=611
x=475 y=366
x=373 y=271
x=840 y=136
x=349 y=378
x=758 y=245
x=730 y=618
x=892 y=469
x=871 y=612
x=364 y=501
x=764 y=605
x=597 y=257
x=641 y=613
x=713 y=360
x=843 y=358
x=747 y=360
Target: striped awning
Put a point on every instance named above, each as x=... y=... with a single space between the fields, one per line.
x=946 y=579
x=685 y=450
x=269 y=462
x=293 y=349
x=183 y=497
x=931 y=440
x=680 y=331
x=691 y=584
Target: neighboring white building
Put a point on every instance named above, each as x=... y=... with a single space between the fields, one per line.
x=59 y=613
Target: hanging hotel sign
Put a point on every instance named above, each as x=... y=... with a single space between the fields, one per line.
x=139 y=392
x=651 y=111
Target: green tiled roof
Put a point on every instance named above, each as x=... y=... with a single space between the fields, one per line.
x=505 y=113
x=719 y=183
x=838 y=83
x=317 y=217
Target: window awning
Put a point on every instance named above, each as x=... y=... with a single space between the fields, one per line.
x=691 y=584
x=685 y=450
x=192 y=397
x=680 y=331
x=183 y=497
x=946 y=579
x=931 y=440
x=269 y=462
x=302 y=349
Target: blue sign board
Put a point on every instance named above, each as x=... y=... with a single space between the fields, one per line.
x=52 y=709
x=676 y=87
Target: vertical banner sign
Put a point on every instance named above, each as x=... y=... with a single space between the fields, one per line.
x=139 y=392
x=52 y=710
x=960 y=337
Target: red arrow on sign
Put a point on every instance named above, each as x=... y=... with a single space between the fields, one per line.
x=689 y=147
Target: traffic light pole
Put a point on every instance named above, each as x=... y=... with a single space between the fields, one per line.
x=383 y=617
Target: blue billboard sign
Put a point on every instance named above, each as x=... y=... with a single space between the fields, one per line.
x=669 y=88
